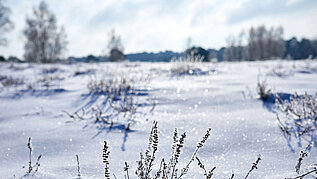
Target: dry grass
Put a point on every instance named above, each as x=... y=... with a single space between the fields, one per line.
x=262 y=89
x=185 y=65
x=9 y=81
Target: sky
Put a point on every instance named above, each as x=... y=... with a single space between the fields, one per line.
x=159 y=25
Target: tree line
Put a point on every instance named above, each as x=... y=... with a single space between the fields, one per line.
x=261 y=43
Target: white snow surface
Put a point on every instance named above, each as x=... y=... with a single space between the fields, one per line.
x=221 y=97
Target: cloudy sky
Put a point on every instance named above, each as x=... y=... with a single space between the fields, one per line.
x=159 y=25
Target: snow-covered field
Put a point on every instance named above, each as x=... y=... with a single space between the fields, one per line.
x=220 y=96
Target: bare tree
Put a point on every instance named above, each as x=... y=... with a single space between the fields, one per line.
x=252 y=44
x=231 y=50
x=278 y=48
x=115 y=47
x=260 y=36
x=261 y=44
x=44 y=42
x=5 y=22
x=265 y=44
x=241 y=50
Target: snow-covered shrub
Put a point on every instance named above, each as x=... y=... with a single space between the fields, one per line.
x=31 y=86
x=121 y=99
x=118 y=91
x=186 y=65
x=48 y=81
x=262 y=89
x=112 y=88
x=300 y=113
x=125 y=105
x=50 y=70
x=78 y=72
x=121 y=90
x=9 y=81
x=280 y=72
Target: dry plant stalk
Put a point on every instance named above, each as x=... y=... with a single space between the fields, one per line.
x=126 y=169
x=185 y=65
x=105 y=157
x=78 y=167
x=262 y=89
x=202 y=166
x=254 y=166
x=32 y=168
x=303 y=154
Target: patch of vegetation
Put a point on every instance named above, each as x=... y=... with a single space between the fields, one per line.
x=262 y=89
x=32 y=168
x=122 y=93
x=299 y=114
x=188 y=65
x=312 y=169
x=9 y=81
x=112 y=88
x=169 y=169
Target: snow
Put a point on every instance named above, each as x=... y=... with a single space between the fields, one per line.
x=221 y=96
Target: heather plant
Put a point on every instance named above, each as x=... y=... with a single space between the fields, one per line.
x=79 y=72
x=312 y=171
x=45 y=82
x=9 y=81
x=112 y=88
x=32 y=86
x=303 y=154
x=121 y=92
x=50 y=70
x=167 y=169
x=202 y=166
x=48 y=81
x=262 y=89
x=126 y=105
x=100 y=117
x=78 y=168
x=32 y=168
x=253 y=167
x=105 y=157
x=280 y=71
x=299 y=114
x=185 y=65
x=114 y=85
x=118 y=91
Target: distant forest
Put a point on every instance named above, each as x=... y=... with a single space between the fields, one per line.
x=292 y=49
x=257 y=43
